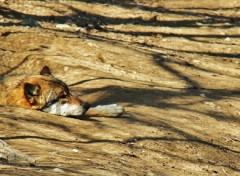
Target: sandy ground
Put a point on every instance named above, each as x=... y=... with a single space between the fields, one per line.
x=173 y=64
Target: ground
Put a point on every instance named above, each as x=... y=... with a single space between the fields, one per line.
x=173 y=65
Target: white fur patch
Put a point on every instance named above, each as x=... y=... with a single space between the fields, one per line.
x=112 y=110
x=64 y=109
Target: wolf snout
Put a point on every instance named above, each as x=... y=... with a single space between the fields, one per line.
x=86 y=106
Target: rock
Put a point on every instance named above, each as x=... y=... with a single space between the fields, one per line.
x=222 y=33
x=76 y=150
x=9 y=155
x=58 y=170
x=202 y=95
x=63 y=26
x=66 y=68
x=211 y=104
x=227 y=39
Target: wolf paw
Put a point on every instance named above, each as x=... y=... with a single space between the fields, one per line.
x=112 y=110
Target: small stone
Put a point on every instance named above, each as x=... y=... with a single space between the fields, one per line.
x=10 y=16
x=227 y=39
x=199 y=24
x=66 y=68
x=75 y=150
x=58 y=170
x=196 y=61
x=62 y=26
x=211 y=162
x=211 y=104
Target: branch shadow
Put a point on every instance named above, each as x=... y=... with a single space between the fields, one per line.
x=94 y=21
x=132 y=141
x=128 y=4
x=82 y=18
x=152 y=97
x=135 y=96
x=24 y=60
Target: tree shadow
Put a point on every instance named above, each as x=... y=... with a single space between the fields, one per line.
x=94 y=21
x=153 y=97
x=136 y=96
x=131 y=141
x=98 y=78
x=24 y=60
x=82 y=18
x=128 y=4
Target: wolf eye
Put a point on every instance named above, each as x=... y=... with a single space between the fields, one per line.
x=63 y=96
x=63 y=100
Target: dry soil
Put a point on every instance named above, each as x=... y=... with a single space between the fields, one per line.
x=173 y=64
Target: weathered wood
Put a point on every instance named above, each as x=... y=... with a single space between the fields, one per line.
x=8 y=155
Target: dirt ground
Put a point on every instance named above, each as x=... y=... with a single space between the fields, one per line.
x=173 y=65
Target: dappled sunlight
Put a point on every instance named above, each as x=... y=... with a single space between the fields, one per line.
x=172 y=65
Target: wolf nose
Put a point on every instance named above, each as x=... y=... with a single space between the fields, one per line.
x=86 y=106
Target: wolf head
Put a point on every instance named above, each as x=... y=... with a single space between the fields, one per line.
x=46 y=93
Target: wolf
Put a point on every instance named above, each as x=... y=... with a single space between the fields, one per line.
x=46 y=93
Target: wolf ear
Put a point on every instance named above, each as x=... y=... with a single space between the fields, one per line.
x=30 y=91
x=46 y=71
